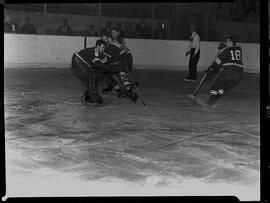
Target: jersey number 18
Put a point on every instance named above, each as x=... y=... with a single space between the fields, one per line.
x=236 y=55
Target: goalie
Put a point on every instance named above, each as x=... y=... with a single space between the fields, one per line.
x=91 y=66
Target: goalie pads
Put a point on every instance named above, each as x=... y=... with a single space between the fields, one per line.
x=124 y=79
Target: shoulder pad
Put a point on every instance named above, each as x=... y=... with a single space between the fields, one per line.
x=222 y=50
x=116 y=44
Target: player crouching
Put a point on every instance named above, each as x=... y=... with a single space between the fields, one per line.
x=229 y=64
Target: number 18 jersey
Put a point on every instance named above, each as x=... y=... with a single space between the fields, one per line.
x=230 y=56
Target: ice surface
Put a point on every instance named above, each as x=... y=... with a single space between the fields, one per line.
x=57 y=145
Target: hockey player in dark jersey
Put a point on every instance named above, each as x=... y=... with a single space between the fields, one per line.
x=113 y=53
x=230 y=66
x=118 y=54
x=120 y=42
x=221 y=46
x=91 y=65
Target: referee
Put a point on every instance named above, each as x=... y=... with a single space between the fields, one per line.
x=194 y=52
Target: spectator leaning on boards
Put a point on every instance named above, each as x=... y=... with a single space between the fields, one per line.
x=28 y=27
x=64 y=29
x=91 y=31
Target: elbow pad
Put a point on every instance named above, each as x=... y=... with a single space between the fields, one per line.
x=215 y=66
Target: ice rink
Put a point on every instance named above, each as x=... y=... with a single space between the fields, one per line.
x=57 y=145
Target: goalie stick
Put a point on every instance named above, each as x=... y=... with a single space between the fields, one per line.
x=83 y=60
x=78 y=62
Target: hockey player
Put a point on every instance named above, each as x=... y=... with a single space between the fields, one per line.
x=118 y=54
x=90 y=65
x=104 y=38
x=115 y=34
x=113 y=54
x=221 y=46
x=229 y=63
x=120 y=42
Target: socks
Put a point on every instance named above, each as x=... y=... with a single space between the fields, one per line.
x=214 y=96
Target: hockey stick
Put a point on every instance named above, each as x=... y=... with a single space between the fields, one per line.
x=195 y=92
x=135 y=87
x=77 y=56
x=83 y=60
x=199 y=85
x=222 y=69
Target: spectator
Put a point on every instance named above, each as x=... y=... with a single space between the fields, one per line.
x=160 y=31
x=28 y=27
x=235 y=8
x=141 y=30
x=64 y=29
x=91 y=32
x=156 y=31
x=257 y=8
x=11 y=26
x=7 y=27
x=149 y=32
x=241 y=9
x=221 y=9
x=120 y=30
x=250 y=7
x=174 y=32
x=106 y=30
x=128 y=30
x=224 y=9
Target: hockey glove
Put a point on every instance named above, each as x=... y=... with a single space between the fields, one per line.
x=209 y=70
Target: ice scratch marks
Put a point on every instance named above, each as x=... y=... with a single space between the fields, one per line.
x=196 y=136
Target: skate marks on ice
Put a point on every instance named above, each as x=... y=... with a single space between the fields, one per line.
x=126 y=149
x=166 y=145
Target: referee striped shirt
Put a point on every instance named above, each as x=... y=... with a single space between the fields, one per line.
x=194 y=42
